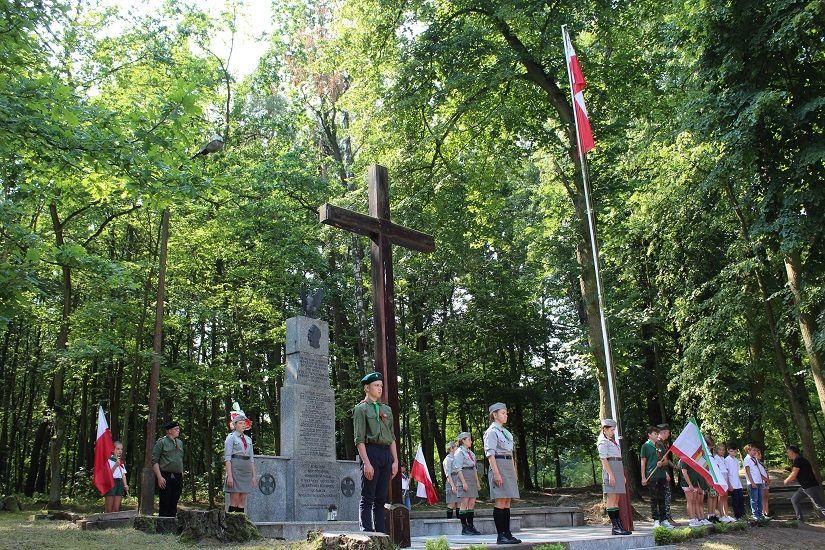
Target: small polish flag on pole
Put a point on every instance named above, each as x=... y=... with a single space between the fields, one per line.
x=421 y=474
x=104 y=448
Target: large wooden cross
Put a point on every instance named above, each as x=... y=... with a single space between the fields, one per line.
x=383 y=233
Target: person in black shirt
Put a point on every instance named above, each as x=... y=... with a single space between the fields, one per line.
x=803 y=474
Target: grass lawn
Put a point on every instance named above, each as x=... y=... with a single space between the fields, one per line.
x=21 y=531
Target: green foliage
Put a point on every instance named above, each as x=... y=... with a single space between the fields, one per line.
x=665 y=536
x=553 y=546
x=440 y=543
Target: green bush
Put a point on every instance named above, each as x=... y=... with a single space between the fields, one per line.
x=437 y=544
x=554 y=546
x=476 y=547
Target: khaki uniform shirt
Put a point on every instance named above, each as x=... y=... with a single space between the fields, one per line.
x=370 y=427
x=463 y=458
x=168 y=454
x=234 y=446
x=498 y=440
x=607 y=447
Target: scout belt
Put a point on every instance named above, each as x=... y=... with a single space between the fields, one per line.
x=504 y=457
x=242 y=457
x=613 y=458
x=469 y=468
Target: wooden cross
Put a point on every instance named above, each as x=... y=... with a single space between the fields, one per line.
x=383 y=233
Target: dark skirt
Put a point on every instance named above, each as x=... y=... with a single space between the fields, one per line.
x=241 y=477
x=117 y=490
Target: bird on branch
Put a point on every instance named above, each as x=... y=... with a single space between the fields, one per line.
x=215 y=144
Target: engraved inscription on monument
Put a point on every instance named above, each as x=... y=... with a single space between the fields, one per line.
x=315 y=487
x=308 y=369
x=316 y=423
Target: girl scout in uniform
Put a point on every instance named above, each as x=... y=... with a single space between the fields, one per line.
x=502 y=478
x=613 y=482
x=465 y=478
x=449 y=486
x=238 y=457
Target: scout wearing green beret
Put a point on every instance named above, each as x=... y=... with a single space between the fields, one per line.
x=375 y=441
x=167 y=463
x=502 y=477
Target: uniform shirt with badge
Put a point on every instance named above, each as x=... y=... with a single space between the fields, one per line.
x=168 y=454
x=498 y=441
x=373 y=423
x=238 y=445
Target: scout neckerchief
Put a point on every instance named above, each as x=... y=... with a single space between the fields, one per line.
x=505 y=431
x=243 y=440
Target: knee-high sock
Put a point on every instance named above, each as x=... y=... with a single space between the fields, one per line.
x=462 y=515
x=449 y=513
x=499 y=520
x=470 y=517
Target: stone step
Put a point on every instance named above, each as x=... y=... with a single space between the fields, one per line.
x=626 y=542
x=297 y=530
x=96 y=522
x=444 y=526
x=539 y=516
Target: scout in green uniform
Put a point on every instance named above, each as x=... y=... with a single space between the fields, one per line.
x=654 y=475
x=375 y=441
x=167 y=463
x=664 y=448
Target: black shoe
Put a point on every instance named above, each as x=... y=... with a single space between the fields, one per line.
x=466 y=530
x=473 y=531
x=511 y=537
x=504 y=539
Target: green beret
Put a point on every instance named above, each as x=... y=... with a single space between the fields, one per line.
x=371 y=377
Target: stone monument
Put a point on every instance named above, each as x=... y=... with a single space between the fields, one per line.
x=305 y=487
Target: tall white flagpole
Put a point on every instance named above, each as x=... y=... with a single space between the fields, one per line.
x=593 y=248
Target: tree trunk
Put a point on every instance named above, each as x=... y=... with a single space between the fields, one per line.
x=147 y=493
x=807 y=323
x=800 y=415
x=56 y=480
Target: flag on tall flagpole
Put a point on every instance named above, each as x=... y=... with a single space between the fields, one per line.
x=578 y=83
x=421 y=474
x=104 y=448
x=691 y=447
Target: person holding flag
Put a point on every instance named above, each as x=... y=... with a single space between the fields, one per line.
x=654 y=476
x=104 y=448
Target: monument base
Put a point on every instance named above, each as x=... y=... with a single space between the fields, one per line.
x=398 y=521
x=298 y=530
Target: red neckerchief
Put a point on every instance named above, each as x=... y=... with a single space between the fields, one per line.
x=243 y=440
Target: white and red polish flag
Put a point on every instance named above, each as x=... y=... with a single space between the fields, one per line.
x=104 y=447
x=421 y=474
x=578 y=84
